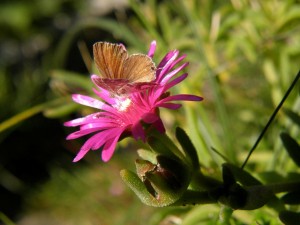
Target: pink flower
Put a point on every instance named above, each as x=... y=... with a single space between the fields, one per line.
x=132 y=114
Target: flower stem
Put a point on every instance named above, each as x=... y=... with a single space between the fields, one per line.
x=195 y=197
x=271 y=118
x=284 y=187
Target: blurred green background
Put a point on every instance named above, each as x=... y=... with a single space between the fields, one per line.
x=243 y=56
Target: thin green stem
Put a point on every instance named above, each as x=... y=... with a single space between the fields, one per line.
x=195 y=197
x=271 y=119
x=29 y=113
x=284 y=187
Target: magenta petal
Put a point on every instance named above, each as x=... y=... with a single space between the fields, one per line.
x=182 y=97
x=172 y=73
x=86 y=147
x=167 y=66
x=79 y=121
x=105 y=95
x=109 y=148
x=138 y=131
x=159 y=126
x=80 y=133
x=88 y=101
x=100 y=124
x=152 y=49
x=95 y=118
x=170 y=55
x=176 y=81
x=150 y=118
x=107 y=135
x=169 y=105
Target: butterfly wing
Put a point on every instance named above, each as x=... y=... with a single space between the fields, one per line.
x=139 y=68
x=109 y=59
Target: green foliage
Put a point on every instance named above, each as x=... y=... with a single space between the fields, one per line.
x=243 y=57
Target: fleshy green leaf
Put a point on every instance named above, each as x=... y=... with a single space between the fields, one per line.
x=289 y=218
x=162 y=144
x=73 y=79
x=188 y=147
x=247 y=179
x=292 y=147
x=293 y=116
x=241 y=175
x=61 y=110
x=291 y=198
x=147 y=155
x=257 y=197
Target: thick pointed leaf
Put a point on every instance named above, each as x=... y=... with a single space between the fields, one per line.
x=257 y=197
x=72 y=79
x=241 y=175
x=188 y=147
x=291 y=198
x=289 y=218
x=139 y=188
x=293 y=116
x=247 y=179
x=147 y=155
x=228 y=177
x=65 y=108
x=292 y=147
x=162 y=144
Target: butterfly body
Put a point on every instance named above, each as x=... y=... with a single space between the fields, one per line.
x=120 y=73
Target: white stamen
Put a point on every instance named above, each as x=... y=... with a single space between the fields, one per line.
x=122 y=104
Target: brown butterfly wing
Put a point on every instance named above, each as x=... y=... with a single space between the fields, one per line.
x=139 y=68
x=109 y=59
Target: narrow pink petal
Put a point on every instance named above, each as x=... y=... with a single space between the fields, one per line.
x=107 y=135
x=178 y=60
x=170 y=55
x=109 y=148
x=182 y=97
x=80 y=133
x=138 y=131
x=97 y=140
x=87 y=146
x=100 y=124
x=80 y=121
x=99 y=117
x=155 y=94
x=105 y=95
x=167 y=77
x=88 y=101
x=150 y=117
x=175 y=81
x=152 y=49
x=169 y=105
x=159 y=126
x=166 y=66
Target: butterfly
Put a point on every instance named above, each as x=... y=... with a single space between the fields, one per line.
x=120 y=73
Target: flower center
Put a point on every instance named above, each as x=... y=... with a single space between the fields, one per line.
x=122 y=104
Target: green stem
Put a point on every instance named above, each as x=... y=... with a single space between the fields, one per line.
x=284 y=187
x=202 y=182
x=272 y=118
x=29 y=113
x=195 y=197
x=225 y=215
